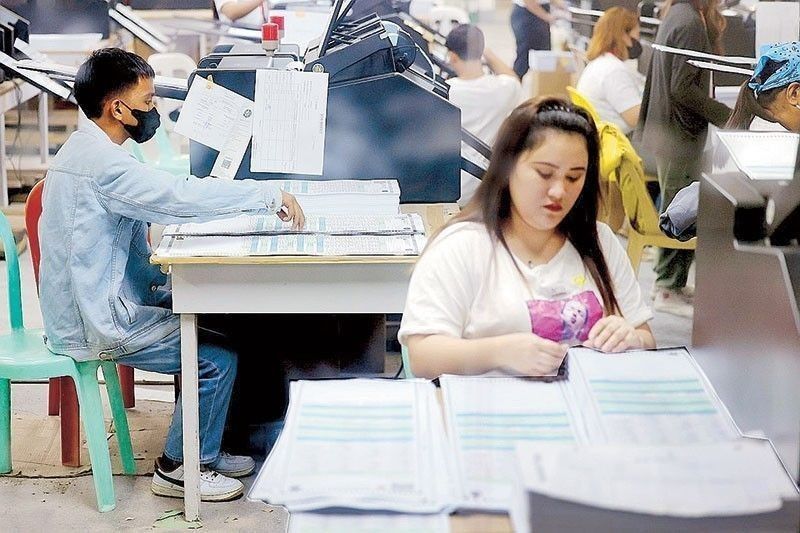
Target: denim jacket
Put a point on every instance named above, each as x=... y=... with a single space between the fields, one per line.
x=100 y=296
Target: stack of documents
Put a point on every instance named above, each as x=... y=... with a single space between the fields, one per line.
x=355 y=197
x=360 y=444
x=726 y=478
x=762 y=155
x=637 y=398
x=263 y=224
x=363 y=522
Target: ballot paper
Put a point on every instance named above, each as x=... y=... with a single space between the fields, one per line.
x=289 y=122
x=486 y=417
x=720 y=479
x=220 y=119
x=368 y=444
x=355 y=522
x=290 y=245
x=647 y=397
x=762 y=155
x=326 y=197
x=267 y=224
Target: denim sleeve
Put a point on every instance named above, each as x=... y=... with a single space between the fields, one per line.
x=135 y=190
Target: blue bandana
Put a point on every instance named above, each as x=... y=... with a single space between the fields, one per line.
x=787 y=54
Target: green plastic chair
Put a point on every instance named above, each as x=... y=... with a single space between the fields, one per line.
x=407 y=373
x=167 y=159
x=24 y=356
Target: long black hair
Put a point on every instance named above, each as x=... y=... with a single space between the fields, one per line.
x=524 y=130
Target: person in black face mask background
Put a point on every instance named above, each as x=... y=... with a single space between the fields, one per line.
x=612 y=86
x=100 y=296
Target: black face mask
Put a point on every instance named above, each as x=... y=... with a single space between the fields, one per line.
x=635 y=49
x=146 y=125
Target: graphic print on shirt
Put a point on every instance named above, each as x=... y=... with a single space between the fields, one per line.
x=566 y=320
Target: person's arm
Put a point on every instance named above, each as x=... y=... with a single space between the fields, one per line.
x=683 y=83
x=236 y=9
x=536 y=8
x=613 y=334
x=497 y=65
x=141 y=192
x=631 y=116
x=523 y=354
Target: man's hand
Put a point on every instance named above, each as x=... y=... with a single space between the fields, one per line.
x=291 y=210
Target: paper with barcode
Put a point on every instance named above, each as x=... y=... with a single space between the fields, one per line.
x=220 y=119
x=289 y=122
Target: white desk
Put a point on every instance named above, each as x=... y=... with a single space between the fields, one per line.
x=12 y=94
x=275 y=285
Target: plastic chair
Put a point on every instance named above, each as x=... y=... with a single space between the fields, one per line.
x=445 y=18
x=62 y=396
x=23 y=355
x=407 y=373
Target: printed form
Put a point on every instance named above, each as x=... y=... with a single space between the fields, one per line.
x=289 y=122
x=220 y=119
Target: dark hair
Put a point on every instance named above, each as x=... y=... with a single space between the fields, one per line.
x=524 y=130
x=107 y=73
x=466 y=41
x=748 y=105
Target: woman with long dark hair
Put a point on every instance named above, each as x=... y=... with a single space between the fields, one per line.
x=525 y=270
x=673 y=124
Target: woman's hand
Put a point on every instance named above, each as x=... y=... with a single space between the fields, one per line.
x=527 y=354
x=613 y=334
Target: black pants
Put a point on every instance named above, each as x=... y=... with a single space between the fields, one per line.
x=530 y=33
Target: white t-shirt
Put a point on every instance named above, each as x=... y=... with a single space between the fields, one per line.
x=466 y=286
x=612 y=87
x=485 y=103
x=254 y=18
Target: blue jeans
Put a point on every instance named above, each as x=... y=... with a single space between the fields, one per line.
x=217 y=370
x=530 y=33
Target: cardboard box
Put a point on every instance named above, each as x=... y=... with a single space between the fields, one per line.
x=551 y=72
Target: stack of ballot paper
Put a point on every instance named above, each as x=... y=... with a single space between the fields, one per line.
x=360 y=444
x=355 y=197
x=762 y=155
x=637 y=398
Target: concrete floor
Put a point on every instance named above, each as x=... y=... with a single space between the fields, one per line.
x=68 y=504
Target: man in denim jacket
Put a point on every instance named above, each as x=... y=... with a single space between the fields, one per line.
x=101 y=298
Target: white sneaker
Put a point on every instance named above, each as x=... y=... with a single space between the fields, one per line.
x=674 y=303
x=233 y=465
x=214 y=487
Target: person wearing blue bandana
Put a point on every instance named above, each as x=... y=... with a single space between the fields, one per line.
x=773 y=92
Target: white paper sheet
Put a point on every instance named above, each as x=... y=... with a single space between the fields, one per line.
x=647 y=397
x=734 y=60
x=289 y=122
x=762 y=155
x=263 y=224
x=290 y=245
x=220 y=119
x=486 y=418
x=725 y=478
x=368 y=523
x=360 y=444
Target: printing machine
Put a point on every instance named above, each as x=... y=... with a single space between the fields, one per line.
x=385 y=117
x=746 y=332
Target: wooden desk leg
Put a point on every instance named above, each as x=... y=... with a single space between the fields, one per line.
x=70 y=424
x=191 y=422
x=44 y=128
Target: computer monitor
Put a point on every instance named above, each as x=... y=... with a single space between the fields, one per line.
x=63 y=16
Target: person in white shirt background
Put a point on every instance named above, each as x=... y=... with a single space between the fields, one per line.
x=485 y=99
x=249 y=12
x=525 y=270
x=614 y=88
